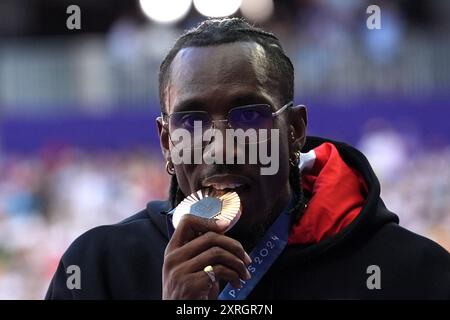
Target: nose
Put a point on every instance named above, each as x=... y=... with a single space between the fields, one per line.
x=221 y=123
x=220 y=150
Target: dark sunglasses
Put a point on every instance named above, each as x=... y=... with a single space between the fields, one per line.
x=254 y=116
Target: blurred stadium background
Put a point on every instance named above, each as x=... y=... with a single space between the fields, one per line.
x=78 y=145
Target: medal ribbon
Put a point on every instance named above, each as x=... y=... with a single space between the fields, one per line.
x=263 y=256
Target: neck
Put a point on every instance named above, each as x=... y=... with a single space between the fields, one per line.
x=250 y=238
x=279 y=206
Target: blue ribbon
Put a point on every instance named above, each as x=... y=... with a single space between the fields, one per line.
x=263 y=256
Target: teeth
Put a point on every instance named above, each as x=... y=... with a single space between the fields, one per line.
x=223 y=186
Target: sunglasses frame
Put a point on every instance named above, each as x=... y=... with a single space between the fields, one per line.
x=273 y=114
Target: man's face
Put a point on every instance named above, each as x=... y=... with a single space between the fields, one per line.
x=215 y=79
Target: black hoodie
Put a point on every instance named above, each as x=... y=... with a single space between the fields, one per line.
x=368 y=257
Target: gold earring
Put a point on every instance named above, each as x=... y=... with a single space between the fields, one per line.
x=295 y=160
x=170 y=168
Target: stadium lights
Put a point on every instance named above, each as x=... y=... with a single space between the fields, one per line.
x=166 y=11
x=257 y=10
x=217 y=8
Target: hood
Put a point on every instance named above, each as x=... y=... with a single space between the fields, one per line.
x=345 y=205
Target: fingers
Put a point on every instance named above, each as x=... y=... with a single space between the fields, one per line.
x=228 y=275
x=191 y=226
x=193 y=286
x=221 y=272
x=211 y=239
x=220 y=256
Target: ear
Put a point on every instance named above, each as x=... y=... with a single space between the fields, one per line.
x=298 y=122
x=164 y=139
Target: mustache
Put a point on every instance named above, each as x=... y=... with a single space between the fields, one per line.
x=222 y=169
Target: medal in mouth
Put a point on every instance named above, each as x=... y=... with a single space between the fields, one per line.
x=210 y=204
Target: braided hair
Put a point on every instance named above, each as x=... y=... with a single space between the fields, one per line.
x=295 y=181
x=229 y=30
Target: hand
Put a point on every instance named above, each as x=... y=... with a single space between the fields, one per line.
x=195 y=244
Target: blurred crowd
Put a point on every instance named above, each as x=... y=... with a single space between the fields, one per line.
x=48 y=200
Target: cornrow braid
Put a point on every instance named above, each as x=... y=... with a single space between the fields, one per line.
x=175 y=193
x=229 y=30
x=295 y=181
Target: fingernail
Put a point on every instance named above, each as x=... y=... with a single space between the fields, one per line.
x=247 y=259
x=222 y=223
x=249 y=276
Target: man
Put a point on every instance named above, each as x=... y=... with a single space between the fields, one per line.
x=342 y=242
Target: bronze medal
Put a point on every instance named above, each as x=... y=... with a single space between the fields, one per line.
x=210 y=204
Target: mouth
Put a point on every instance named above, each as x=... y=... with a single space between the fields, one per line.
x=226 y=183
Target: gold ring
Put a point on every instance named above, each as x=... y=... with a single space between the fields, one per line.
x=210 y=272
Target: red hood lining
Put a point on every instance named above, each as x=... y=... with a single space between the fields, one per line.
x=338 y=193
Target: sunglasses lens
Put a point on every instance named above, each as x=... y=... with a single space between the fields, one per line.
x=187 y=129
x=251 y=117
x=188 y=121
